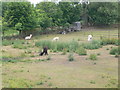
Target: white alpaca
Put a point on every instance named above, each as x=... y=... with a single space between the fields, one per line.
x=28 y=37
x=55 y=39
x=90 y=37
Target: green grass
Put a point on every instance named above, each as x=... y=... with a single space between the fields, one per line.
x=93 y=57
x=19 y=83
x=12 y=42
x=11 y=32
x=112 y=41
x=115 y=50
x=81 y=51
x=95 y=44
x=70 y=57
x=58 y=46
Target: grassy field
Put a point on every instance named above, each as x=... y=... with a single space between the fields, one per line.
x=22 y=66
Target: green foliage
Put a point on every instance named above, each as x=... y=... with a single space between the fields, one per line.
x=19 y=46
x=7 y=42
x=12 y=42
x=40 y=83
x=115 y=50
x=81 y=51
x=92 y=82
x=106 y=41
x=20 y=15
x=58 y=46
x=70 y=57
x=93 y=57
x=103 y=13
x=93 y=45
x=47 y=15
x=98 y=54
x=19 y=83
x=116 y=55
x=64 y=51
x=18 y=26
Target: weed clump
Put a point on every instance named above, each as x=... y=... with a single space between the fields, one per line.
x=93 y=57
x=115 y=51
x=93 y=45
x=81 y=51
x=70 y=57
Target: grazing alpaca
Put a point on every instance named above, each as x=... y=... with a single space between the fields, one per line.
x=55 y=39
x=90 y=37
x=44 y=51
x=28 y=37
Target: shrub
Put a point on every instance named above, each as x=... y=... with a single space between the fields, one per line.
x=70 y=57
x=93 y=45
x=64 y=51
x=116 y=55
x=93 y=57
x=106 y=41
x=115 y=50
x=7 y=42
x=92 y=82
x=81 y=51
x=40 y=83
x=98 y=54
x=19 y=82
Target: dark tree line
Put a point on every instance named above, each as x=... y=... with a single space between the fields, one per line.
x=23 y=16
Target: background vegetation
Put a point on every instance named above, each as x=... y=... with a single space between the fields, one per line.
x=50 y=16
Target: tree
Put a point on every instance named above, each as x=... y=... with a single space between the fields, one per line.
x=21 y=12
x=51 y=11
x=103 y=13
x=71 y=11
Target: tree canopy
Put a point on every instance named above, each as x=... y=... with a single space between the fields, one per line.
x=23 y=16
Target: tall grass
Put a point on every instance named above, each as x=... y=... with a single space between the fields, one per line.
x=113 y=41
x=74 y=46
x=93 y=45
x=59 y=46
x=70 y=57
x=81 y=51
x=115 y=50
x=11 y=42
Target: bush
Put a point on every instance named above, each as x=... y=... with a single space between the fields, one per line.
x=81 y=51
x=70 y=57
x=106 y=41
x=64 y=51
x=7 y=42
x=116 y=55
x=93 y=45
x=93 y=57
x=98 y=54
x=115 y=50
